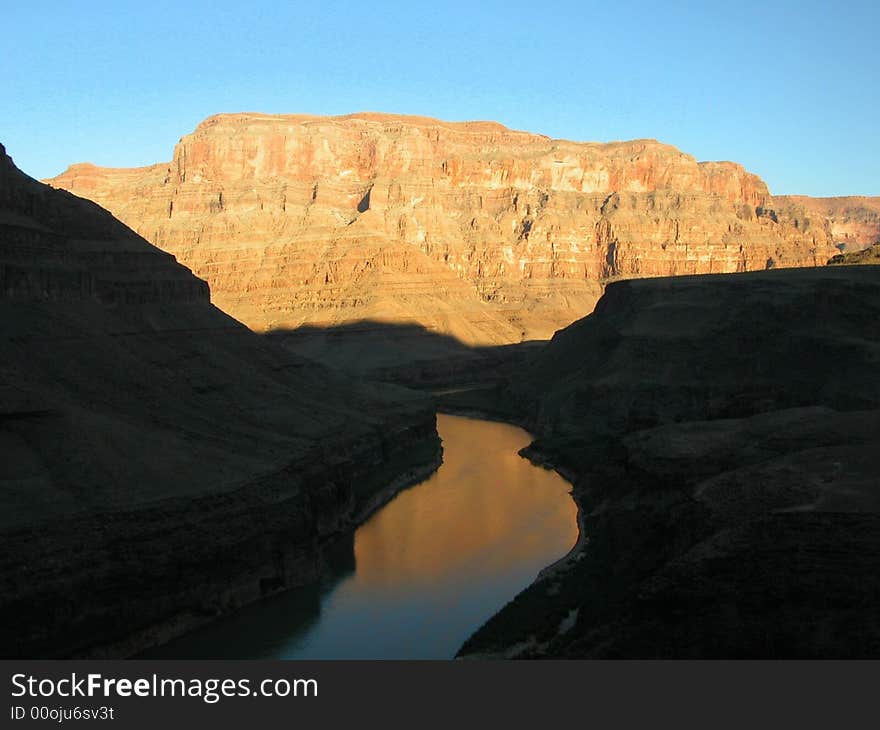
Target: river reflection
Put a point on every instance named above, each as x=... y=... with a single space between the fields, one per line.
x=427 y=569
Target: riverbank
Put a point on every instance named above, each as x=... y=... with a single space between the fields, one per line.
x=729 y=495
x=423 y=572
x=188 y=562
x=410 y=472
x=499 y=414
x=489 y=403
x=161 y=463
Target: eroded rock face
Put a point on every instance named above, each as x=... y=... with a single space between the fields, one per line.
x=159 y=462
x=862 y=257
x=468 y=229
x=854 y=221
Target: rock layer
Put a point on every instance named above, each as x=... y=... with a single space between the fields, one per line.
x=159 y=462
x=470 y=229
x=723 y=436
x=865 y=256
x=854 y=221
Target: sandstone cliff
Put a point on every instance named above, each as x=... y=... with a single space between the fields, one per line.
x=470 y=229
x=854 y=221
x=723 y=436
x=159 y=462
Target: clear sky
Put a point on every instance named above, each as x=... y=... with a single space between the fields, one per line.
x=789 y=89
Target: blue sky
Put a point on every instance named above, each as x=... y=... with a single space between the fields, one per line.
x=789 y=89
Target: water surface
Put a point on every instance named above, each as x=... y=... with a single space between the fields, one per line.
x=425 y=571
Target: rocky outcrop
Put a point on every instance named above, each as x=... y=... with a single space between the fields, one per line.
x=159 y=462
x=870 y=255
x=472 y=230
x=723 y=436
x=854 y=221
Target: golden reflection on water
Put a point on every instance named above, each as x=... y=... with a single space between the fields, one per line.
x=429 y=568
x=473 y=516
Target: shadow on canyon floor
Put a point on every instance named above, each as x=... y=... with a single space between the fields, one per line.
x=404 y=353
x=722 y=443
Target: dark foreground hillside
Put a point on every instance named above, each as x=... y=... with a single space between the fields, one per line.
x=159 y=463
x=723 y=435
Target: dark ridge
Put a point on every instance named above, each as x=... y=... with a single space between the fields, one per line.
x=723 y=436
x=161 y=464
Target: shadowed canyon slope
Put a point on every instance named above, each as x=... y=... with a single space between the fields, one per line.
x=854 y=221
x=723 y=436
x=159 y=462
x=468 y=229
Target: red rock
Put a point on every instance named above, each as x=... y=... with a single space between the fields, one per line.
x=470 y=229
x=854 y=221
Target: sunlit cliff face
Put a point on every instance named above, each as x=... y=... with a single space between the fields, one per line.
x=469 y=229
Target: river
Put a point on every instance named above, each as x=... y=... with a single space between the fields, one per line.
x=425 y=571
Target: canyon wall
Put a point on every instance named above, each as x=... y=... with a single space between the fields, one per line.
x=473 y=230
x=160 y=463
x=854 y=221
x=723 y=437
